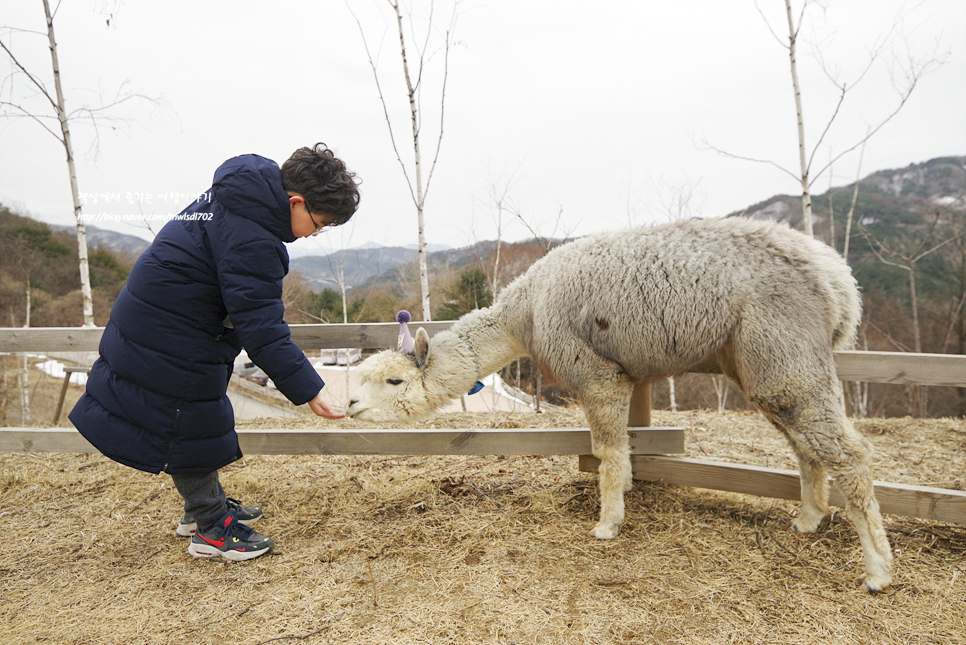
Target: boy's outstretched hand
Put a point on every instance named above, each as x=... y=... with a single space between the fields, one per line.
x=322 y=409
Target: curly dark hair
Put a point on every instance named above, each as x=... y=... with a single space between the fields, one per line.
x=322 y=179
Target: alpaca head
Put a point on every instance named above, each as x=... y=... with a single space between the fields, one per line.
x=393 y=386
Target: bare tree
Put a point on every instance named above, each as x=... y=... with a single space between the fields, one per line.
x=422 y=44
x=500 y=202
x=905 y=256
x=906 y=76
x=337 y=267
x=558 y=233
x=62 y=133
x=850 y=217
x=720 y=383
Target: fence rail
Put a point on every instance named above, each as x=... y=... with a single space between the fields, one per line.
x=874 y=367
x=412 y=441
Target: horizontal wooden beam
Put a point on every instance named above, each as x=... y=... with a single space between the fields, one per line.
x=552 y=441
x=940 y=504
x=898 y=367
x=50 y=339
x=43 y=440
x=876 y=367
x=307 y=337
x=363 y=336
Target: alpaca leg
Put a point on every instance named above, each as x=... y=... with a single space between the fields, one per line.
x=814 y=482
x=615 y=470
x=855 y=483
x=826 y=440
x=814 y=494
x=788 y=371
x=607 y=417
x=848 y=458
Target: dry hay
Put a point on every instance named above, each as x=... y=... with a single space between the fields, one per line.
x=464 y=550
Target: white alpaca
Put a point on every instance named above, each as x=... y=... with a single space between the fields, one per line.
x=764 y=303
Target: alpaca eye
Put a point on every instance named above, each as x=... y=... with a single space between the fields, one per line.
x=394 y=381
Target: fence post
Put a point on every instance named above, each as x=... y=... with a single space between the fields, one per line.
x=639 y=415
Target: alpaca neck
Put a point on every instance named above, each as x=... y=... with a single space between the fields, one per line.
x=487 y=339
x=477 y=345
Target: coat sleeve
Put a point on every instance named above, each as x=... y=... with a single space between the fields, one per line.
x=251 y=286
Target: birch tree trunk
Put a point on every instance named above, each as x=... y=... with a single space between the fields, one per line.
x=720 y=384
x=417 y=162
x=671 y=396
x=85 y=277
x=921 y=395
x=848 y=221
x=4 y=389
x=855 y=199
x=345 y=320
x=24 y=376
x=806 y=193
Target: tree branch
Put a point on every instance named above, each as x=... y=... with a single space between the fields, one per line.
x=874 y=242
x=442 y=105
x=382 y=100
x=768 y=162
x=35 y=117
x=828 y=126
x=33 y=79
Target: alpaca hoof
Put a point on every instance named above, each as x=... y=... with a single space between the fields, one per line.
x=606 y=531
x=805 y=525
x=874 y=584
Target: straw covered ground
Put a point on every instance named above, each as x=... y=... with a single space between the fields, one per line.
x=464 y=550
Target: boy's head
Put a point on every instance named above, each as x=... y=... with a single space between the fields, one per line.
x=323 y=181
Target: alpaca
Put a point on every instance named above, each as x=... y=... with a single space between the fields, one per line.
x=766 y=304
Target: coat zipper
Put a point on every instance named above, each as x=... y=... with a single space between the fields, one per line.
x=175 y=430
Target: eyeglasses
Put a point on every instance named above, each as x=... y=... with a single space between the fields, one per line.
x=318 y=229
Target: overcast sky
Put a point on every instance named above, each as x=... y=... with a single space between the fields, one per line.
x=588 y=116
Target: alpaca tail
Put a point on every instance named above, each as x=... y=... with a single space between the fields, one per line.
x=849 y=313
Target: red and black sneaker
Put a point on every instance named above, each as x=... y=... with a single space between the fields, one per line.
x=230 y=539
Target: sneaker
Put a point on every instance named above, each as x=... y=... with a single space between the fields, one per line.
x=246 y=515
x=231 y=540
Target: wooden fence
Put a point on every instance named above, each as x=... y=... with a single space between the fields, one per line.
x=651 y=447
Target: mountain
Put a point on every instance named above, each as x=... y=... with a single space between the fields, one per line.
x=130 y=246
x=894 y=196
x=357 y=265
x=362 y=264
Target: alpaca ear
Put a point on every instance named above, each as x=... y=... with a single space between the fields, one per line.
x=421 y=348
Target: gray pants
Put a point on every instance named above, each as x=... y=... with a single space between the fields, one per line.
x=204 y=498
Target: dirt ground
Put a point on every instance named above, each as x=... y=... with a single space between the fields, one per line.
x=466 y=550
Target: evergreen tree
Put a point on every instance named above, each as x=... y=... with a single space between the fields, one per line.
x=471 y=291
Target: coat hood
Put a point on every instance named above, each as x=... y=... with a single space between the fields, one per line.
x=250 y=186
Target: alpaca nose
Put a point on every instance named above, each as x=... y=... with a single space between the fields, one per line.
x=351 y=410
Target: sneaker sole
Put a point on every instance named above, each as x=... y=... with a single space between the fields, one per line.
x=208 y=552
x=188 y=530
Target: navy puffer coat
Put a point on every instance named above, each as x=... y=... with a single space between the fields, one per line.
x=209 y=284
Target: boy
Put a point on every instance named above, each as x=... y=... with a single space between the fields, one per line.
x=209 y=285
